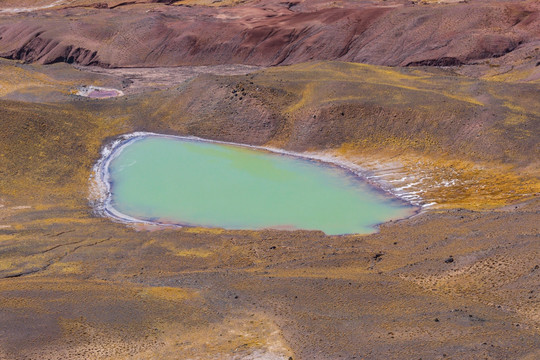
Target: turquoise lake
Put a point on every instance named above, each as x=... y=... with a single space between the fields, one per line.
x=200 y=183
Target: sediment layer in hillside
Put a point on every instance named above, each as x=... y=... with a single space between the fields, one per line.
x=269 y=32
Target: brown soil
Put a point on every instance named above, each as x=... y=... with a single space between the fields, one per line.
x=455 y=124
x=458 y=281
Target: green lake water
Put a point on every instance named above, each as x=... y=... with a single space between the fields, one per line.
x=200 y=183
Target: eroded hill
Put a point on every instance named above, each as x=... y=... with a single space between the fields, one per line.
x=393 y=33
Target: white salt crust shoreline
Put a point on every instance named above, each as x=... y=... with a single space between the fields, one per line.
x=86 y=91
x=30 y=9
x=100 y=188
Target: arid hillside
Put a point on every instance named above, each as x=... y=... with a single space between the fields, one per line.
x=434 y=102
x=393 y=33
x=477 y=139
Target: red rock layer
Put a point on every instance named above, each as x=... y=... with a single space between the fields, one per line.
x=272 y=33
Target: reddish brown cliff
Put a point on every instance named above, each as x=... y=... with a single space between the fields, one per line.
x=272 y=33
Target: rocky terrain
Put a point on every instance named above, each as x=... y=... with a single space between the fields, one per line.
x=268 y=32
x=434 y=101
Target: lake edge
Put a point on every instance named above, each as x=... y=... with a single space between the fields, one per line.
x=100 y=194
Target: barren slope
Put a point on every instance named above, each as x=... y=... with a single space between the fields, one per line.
x=271 y=32
x=459 y=280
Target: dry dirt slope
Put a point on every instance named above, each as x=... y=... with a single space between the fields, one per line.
x=78 y=286
x=270 y=32
x=476 y=139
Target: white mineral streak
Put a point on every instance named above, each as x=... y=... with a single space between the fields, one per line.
x=30 y=9
x=87 y=90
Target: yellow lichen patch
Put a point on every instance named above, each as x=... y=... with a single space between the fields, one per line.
x=515 y=107
x=473 y=186
x=32 y=80
x=177 y=250
x=6 y=237
x=202 y=253
x=388 y=72
x=20 y=303
x=319 y=77
x=100 y=290
x=305 y=97
x=200 y=230
x=446 y=182
x=13 y=78
x=340 y=272
x=253 y=336
x=64 y=221
x=515 y=119
x=167 y=293
x=71 y=267
x=530 y=75
x=6 y=264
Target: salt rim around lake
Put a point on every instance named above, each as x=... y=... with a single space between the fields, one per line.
x=97 y=92
x=30 y=9
x=100 y=194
